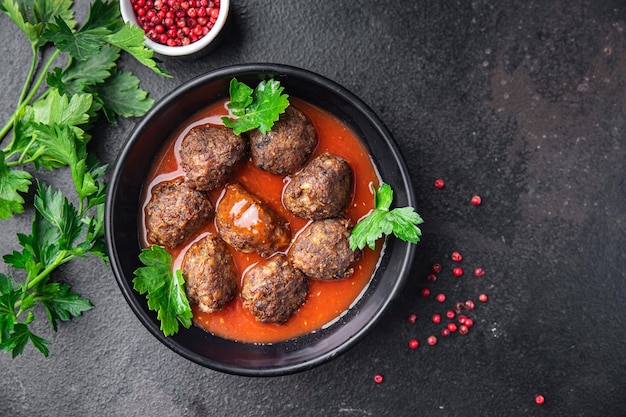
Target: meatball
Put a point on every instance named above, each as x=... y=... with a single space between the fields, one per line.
x=322 y=250
x=248 y=224
x=287 y=146
x=175 y=212
x=210 y=154
x=321 y=190
x=274 y=290
x=210 y=274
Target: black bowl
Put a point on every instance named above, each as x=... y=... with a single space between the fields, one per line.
x=122 y=219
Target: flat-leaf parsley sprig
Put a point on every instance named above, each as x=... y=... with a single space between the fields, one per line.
x=49 y=129
x=402 y=222
x=164 y=288
x=256 y=108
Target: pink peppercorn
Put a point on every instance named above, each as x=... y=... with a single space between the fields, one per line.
x=432 y=340
x=412 y=318
x=441 y=298
x=539 y=399
x=456 y=257
x=469 y=304
x=482 y=298
x=378 y=378
x=436 y=318
x=469 y=322
x=414 y=344
x=462 y=319
x=452 y=327
x=425 y=292
x=463 y=329
x=431 y=278
x=476 y=200
x=450 y=314
x=436 y=268
x=479 y=272
x=457 y=272
x=439 y=183
x=445 y=332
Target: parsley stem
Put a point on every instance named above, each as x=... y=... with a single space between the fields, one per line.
x=63 y=257
x=24 y=101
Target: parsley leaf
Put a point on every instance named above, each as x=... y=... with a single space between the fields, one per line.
x=255 y=109
x=402 y=222
x=121 y=96
x=12 y=181
x=80 y=44
x=130 y=39
x=165 y=289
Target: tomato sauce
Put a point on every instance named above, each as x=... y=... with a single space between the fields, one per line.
x=327 y=300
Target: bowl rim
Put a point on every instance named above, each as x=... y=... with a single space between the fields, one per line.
x=128 y=15
x=136 y=301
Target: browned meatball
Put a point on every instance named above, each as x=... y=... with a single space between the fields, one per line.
x=321 y=190
x=248 y=224
x=210 y=274
x=274 y=290
x=175 y=212
x=322 y=251
x=210 y=154
x=286 y=148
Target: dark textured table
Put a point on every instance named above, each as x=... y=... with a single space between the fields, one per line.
x=522 y=103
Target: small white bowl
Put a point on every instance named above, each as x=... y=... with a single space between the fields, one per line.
x=128 y=14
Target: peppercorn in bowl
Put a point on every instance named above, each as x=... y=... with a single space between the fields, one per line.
x=178 y=27
x=196 y=214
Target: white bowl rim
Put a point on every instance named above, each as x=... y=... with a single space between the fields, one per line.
x=128 y=14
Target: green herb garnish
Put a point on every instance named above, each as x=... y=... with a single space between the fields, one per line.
x=256 y=108
x=402 y=222
x=165 y=289
x=50 y=129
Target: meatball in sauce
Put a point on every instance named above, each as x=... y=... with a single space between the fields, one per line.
x=287 y=146
x=210 y=274
x=321 y=190
x=175 y=212
x=210 y=154
x=322 y=251
x=248 y=224
x=273 y=290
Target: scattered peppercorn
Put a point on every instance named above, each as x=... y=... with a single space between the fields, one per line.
x=441 y=298
x=436 y=318
x=439 y=183
x=539 y=399
x=479 y=272
x=431 y=278
x=414 y=344
x=378 y=378
x=457 y=272
x=469 y=322
x=463 y=329
x=425 y=292
x=437 y=268
x=482 y=298
x=450 y=314
x=469 y=304
x=412 y=318
x=452 y=327
x=458 y=306
x=462 y=319
x=445 y=332
x=432 y=340
x=456 y=257
x=476 y=200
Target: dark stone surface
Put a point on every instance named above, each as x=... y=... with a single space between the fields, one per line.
x=523 y=103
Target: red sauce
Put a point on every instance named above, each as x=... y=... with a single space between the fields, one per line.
x=326 y=300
